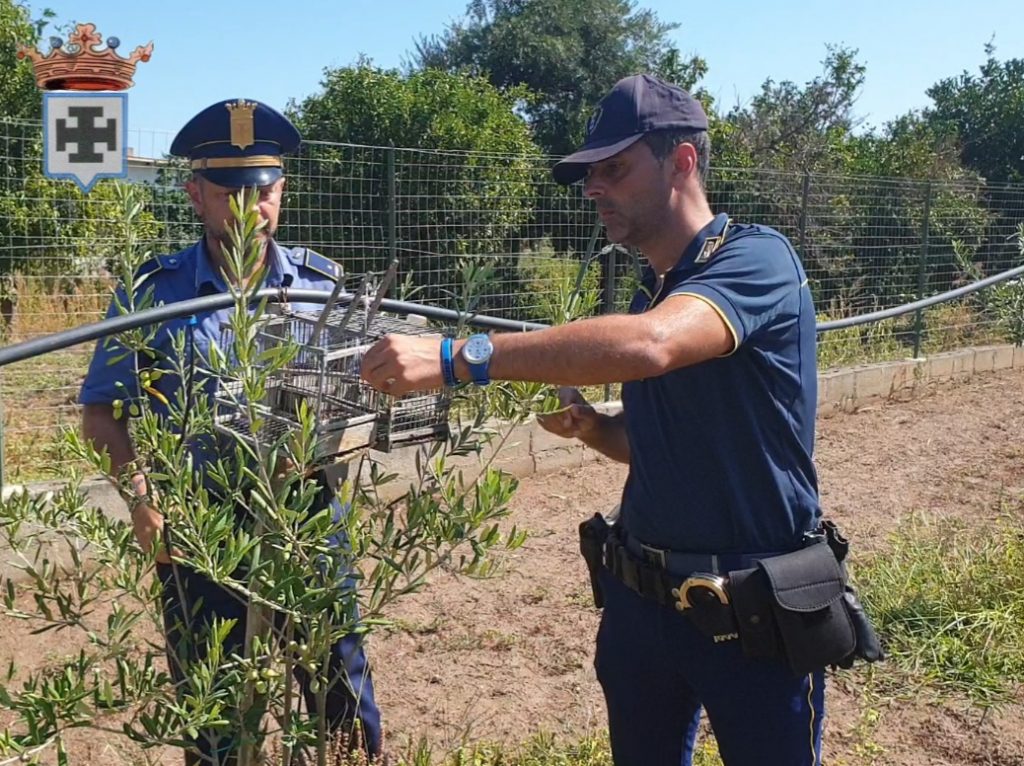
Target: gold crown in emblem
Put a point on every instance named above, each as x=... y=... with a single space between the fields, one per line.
x=81 y=65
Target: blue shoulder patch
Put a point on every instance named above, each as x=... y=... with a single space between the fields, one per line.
x=316 y=262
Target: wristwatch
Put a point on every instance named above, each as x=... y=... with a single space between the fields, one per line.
x=477 y=352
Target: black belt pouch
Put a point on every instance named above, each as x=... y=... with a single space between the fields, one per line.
x=791 y=606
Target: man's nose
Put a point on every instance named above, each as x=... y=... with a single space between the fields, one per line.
x=592 y=188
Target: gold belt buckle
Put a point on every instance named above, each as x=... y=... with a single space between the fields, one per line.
x=715 y=584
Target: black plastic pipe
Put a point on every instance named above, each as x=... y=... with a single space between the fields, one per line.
x=60 y=340
x=906 y=308
x=57 y=341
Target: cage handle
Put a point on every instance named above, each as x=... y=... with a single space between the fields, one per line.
x=382 y=289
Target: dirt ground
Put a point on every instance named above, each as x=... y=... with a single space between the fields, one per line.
x=505 y=658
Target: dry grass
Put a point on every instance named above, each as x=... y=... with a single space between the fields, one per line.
x=39 y=395
x=44 y=305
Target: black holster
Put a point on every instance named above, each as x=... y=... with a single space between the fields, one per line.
x=869 y=648
x=593 y=535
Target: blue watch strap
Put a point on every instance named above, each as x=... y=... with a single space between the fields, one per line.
x=480 y=373
x=479 y=368
x=448 y=363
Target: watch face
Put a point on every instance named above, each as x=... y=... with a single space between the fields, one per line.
x=477 y=349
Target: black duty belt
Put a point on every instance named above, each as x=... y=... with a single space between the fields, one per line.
x=663 y=575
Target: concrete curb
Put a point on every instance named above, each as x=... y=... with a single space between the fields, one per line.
x=848 y=389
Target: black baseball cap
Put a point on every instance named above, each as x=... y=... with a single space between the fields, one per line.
x=636 y=105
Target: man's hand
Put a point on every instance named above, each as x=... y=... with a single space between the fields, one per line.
x=576 y=420
x=148 y=524
x=399 y=364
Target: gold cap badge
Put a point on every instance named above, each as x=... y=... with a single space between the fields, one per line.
x=242 y=131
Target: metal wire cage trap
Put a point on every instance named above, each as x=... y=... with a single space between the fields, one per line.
x=411 y=418
x=349 y=415
x=323 y=375
x=348 y=430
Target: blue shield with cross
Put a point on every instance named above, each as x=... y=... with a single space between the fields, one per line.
x=85 y=136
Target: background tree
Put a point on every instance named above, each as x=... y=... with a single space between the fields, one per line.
x=19 y=97
x=566 y=52
x=793 y=127
x=466 y=189
x=564 y=55
x=858 y=238
x=19 y=100
x=986 y=111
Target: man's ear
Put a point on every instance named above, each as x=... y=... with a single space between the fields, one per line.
x=195 y=195
x=684 y=158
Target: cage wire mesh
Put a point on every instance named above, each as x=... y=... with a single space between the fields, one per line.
x=349 y=416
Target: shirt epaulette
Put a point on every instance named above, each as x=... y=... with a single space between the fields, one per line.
x=303 y=256
x=159 y=263
x=712 y=244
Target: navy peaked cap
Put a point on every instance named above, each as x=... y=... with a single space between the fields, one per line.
x=238 y=142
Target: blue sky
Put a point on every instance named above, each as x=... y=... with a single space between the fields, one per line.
x=274 y=51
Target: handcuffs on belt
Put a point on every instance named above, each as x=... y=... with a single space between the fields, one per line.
x=703 y=598
x=700 y=585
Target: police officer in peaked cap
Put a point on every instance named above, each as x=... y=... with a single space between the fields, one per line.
x=230 y=145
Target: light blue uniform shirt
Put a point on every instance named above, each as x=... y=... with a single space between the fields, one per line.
x=177 y=277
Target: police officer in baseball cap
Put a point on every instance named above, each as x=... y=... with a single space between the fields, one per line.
x=716 y=356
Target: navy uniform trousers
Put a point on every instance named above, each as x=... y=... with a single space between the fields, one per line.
x=350 y=696
x=657 y=671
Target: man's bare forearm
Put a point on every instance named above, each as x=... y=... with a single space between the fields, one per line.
x=610 y=349
x=109 y=434
x=610 y=438
x=593 y=351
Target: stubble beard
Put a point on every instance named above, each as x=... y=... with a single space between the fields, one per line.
x=223 y=238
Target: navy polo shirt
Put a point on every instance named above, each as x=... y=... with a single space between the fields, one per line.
x=721 y=451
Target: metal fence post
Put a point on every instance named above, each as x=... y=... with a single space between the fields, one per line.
x=609 y=267
x=803 y=214
x=392 y=208
x=2 y=449
x=921 y=265
x=588 y=257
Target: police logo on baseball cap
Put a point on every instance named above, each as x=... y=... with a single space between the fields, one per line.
x=635 y=105
x=238 y=142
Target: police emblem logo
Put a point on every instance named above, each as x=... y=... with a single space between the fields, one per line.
x=242 y=130
x=711 y=245
x=85 y=122
x=84 y=135
x=595 y=118
x=708 y=249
